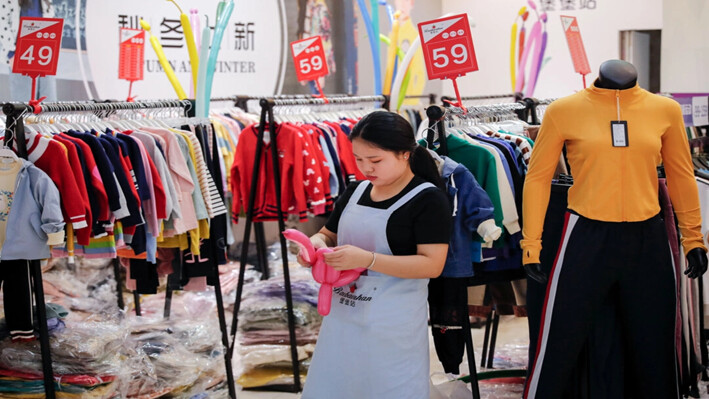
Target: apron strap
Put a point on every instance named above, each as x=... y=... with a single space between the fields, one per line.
x=357 y=194
x=359 y=191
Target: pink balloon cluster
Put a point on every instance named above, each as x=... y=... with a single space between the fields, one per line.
x=323 y=273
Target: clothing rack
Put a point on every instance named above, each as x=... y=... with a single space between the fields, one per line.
x=431 y=98
x=15 y=113
x=437 y=116
x=267 y=120
x=529 y=114
x=241 y=101
x=448 y=99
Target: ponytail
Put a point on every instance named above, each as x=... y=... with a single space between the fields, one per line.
x=391 y=132
x=423 y=166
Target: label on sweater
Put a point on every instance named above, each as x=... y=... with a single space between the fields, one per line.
x=619 y=132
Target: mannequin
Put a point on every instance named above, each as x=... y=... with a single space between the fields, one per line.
x=614 y=243
x=622 y=75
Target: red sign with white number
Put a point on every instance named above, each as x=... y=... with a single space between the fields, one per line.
x=132 y=51
x=38 y=43
x=573 y=39
x=448 y=47
x=309 y=58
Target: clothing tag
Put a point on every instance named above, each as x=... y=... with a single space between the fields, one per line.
x=619 y=133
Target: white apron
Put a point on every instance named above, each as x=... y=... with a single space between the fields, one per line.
x=374 y=343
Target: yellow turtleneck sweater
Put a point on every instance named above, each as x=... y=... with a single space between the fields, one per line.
x=612 y=184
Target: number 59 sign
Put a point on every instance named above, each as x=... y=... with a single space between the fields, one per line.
x=38 y=43
x=448 y=47
x=309 y=58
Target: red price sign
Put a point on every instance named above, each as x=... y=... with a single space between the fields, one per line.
x=573 y=39
x=132 y=50
x=38 y=43
x=448 y=47
x=309 y=58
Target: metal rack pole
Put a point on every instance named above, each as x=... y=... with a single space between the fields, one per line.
x=16 y=130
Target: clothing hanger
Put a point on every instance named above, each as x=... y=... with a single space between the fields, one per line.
x=7 y=155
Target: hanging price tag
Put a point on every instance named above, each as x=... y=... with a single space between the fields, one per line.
x=573 y=39
x=132 y=50
x=700 y=111
x=38 y=43
x=309 y=58
x=448 y=47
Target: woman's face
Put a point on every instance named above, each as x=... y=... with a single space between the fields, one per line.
x=379 y=166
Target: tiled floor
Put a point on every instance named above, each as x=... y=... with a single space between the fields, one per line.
x=512 y=333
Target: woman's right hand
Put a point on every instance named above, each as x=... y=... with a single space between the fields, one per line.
x=302 y=262
x=318 y=242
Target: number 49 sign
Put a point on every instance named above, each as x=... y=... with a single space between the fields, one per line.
x=38 y=43
x=448 y=47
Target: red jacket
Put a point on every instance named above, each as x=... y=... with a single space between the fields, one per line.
x=300 y=172
x=84 y=234
x=50 y=157
x=96 y=182
x=347 y=159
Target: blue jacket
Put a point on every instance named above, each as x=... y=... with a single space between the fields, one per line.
x=472 y=217
x=35 y=220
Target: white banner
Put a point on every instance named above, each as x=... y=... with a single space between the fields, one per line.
x=251 y=59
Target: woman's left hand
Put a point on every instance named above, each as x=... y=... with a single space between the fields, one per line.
x=348 y=257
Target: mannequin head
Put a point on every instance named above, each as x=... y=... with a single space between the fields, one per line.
x=617 y=74
x=385 y=150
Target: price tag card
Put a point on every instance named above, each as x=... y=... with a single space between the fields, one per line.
x=573 y=39
x=38 y=43
x=448 y=47
x=132 y=51
x=700 y=111
x=309 y=58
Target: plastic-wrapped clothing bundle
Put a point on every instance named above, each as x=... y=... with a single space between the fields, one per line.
x=83 y=348
x=264 y=356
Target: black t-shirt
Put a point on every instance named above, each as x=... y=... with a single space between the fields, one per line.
x=425 y=219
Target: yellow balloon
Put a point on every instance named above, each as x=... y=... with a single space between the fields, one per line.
x=163 y=62
x=191 y=46
x=391 y=54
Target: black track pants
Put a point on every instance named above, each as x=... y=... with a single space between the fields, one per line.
x=631 y=261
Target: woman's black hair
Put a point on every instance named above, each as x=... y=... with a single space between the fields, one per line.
x=391 y=132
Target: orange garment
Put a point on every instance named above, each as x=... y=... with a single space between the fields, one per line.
x=612 y=184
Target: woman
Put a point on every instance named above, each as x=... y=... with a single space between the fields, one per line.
x=374 y=342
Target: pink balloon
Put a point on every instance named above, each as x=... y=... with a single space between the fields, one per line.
x=323 y=273
x=307 y=252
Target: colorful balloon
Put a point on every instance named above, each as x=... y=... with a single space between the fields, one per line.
x=163 y=62
x=323 y=273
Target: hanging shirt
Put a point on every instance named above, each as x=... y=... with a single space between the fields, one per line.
x=182 y=179
x=510 y=217
x=172 y=205
x=116 y=199
x=49 y=156
x=8 y=177
x=613 y=184
x=83 y=234
x=94 y=185
x=481 y=163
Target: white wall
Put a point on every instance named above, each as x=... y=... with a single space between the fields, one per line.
x=685 y=49
x=492 y=20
